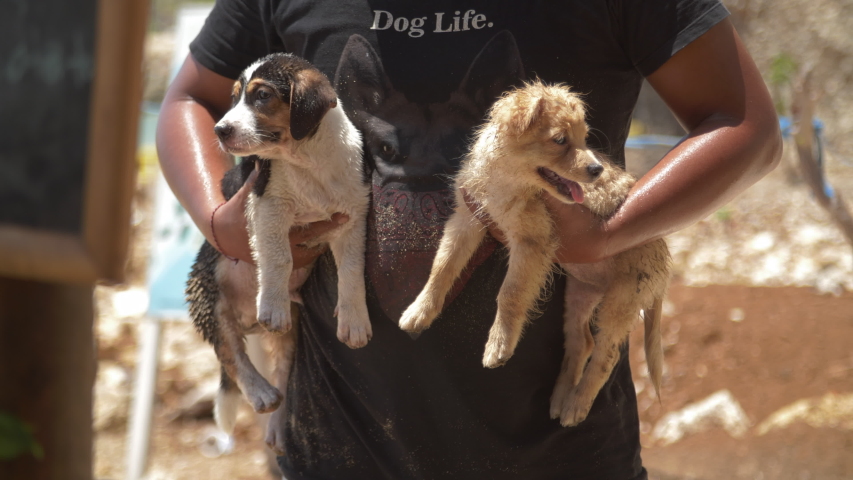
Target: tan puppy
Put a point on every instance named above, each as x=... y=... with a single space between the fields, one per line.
x=534 y=141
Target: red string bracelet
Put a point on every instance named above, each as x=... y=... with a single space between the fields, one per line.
x=216 y=240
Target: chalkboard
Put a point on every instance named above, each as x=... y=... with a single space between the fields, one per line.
x=47 y=55
x=70 y=84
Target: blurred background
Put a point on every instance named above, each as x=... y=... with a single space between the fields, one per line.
x=758 y=324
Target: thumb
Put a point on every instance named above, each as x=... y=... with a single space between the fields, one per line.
x=233 y=237
x=248 y=185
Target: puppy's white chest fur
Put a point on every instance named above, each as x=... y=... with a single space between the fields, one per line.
x=320 y=176
x=309 y=181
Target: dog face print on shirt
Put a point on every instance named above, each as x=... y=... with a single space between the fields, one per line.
x=412 y=150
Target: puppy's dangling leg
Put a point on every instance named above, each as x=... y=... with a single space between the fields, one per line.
x=462 y=235
x=580 y=301
x=226 y=404
x=354 y=328
x=614 y=323
x=283 y=355
x=231 y=352
x=274 y=260
x=530 y=265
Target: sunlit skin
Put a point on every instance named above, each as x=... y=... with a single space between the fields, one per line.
x=712 y=86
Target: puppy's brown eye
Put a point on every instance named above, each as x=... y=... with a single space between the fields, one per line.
x=386 y=149
x=560 y=140
x=264 y=94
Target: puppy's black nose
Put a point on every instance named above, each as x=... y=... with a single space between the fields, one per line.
x=595 y=170
x=223 y=131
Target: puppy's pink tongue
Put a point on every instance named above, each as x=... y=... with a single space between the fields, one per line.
x=577 y=192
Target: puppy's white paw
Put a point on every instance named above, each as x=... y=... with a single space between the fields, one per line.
x=263 y=397
x=497 y=353
x=275 y=316
x=417 y=317
x=501 y=345
x=354 y=328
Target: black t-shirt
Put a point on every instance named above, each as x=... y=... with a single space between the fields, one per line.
x=416 y=78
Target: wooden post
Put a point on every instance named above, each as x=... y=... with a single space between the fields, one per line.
x=47 y=373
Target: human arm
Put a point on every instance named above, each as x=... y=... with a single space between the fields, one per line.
x=193 y=164
x=715 y=90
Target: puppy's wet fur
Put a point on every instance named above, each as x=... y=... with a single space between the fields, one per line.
x=286 y=122
x=534 y=140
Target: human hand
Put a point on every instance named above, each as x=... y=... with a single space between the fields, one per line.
x=228 y=225
x=583 y=236
x=231 y=237
x=302 y=235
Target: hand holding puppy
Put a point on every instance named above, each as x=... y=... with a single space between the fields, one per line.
x=231 y=230
x=583 y=235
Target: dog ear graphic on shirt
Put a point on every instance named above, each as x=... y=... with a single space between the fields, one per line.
x=414 y=141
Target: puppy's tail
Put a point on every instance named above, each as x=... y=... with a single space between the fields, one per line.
x=654 y=350
x=226 y=403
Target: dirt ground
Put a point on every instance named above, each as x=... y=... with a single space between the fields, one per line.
x=791 y=344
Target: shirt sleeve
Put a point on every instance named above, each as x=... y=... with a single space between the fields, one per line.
x=234 y=35
x=652 y=31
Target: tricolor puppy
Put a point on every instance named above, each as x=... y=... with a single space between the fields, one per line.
x=534 y=141
x=285 y=118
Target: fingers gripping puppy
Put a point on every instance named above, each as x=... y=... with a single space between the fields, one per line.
x=284 y=118
x=534 y=140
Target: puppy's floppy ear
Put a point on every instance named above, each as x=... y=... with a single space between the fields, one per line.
x=516 y=113
x=527 y=115
x=311 y=96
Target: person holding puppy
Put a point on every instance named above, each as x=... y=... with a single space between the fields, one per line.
x=416 y=80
